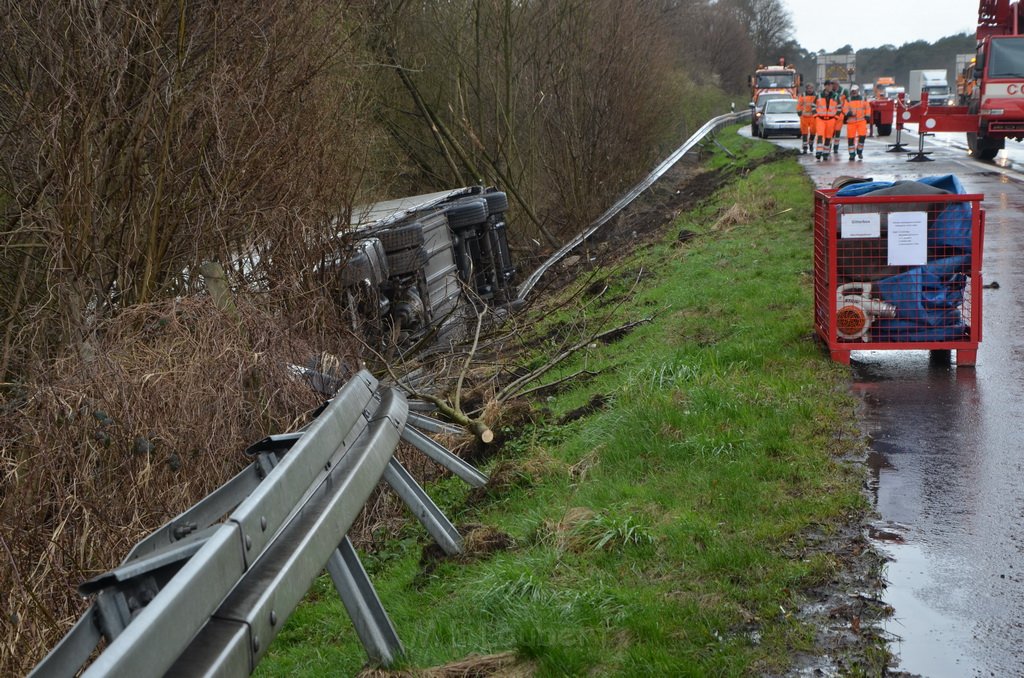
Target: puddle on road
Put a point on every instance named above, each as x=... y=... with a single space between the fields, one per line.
x=943 y=474
x=934 y=648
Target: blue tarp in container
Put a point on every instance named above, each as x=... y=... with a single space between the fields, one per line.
x=928 y=298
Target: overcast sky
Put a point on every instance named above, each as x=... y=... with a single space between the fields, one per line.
x=872 y=23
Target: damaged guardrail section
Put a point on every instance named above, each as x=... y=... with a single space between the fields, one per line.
x=207 y=592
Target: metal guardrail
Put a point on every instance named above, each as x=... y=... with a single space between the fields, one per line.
x=707 y=128
x=206 y=593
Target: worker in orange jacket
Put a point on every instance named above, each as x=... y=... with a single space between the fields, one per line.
x=826 y=108
x=857 y=112
x=805 y=109
x=837 y=130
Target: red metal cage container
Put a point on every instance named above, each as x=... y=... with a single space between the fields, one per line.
x=898 y=272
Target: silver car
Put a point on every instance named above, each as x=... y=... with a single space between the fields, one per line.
x=778 y=117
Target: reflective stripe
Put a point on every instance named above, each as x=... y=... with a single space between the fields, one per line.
x=805 y=105
x=825 y=108
x=857 y=110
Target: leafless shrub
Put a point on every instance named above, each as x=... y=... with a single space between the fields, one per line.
x=735 y=215
x=142 y=139
x=98 y=453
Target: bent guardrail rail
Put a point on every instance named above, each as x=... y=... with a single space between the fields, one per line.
x=707 y=128
x=205 y=594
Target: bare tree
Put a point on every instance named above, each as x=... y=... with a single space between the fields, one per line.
x=716 y=44
x=140 y=140
x=562 y=103
x=769 y=24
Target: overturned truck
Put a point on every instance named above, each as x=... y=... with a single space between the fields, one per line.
x=418 y=266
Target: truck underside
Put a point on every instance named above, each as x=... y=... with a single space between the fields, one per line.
x=423 y=266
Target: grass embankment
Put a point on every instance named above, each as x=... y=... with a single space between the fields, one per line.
x=667 y=532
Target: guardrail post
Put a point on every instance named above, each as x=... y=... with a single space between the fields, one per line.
x=370 y=619
x=205 y=595
x=423 y=507
x=444 y=457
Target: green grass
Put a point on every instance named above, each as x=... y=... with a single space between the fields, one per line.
x=660 y=536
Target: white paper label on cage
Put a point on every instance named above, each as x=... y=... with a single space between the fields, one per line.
x=908 y=238
x=865 y=225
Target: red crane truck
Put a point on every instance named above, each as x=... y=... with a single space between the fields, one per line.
x=994 y=111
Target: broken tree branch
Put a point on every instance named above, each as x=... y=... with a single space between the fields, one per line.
x=513 y=389
x=556 y=382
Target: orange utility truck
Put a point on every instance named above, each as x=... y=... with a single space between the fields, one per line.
x=781 y=78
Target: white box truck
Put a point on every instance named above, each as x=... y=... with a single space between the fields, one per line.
x=932 y=81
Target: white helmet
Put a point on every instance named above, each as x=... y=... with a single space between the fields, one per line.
x=855 y=88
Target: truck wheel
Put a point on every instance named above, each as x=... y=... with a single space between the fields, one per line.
x=407 y=261
x=884 y=130
x=982 y=147
x=402 y=237
x=497 y=202
x=467 y=213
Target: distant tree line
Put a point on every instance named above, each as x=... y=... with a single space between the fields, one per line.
x=897 y=62
x=888 y=60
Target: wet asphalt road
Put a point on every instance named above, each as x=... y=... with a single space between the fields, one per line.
x=947 y=460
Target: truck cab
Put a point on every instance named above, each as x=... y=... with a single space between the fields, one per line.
x=933 y=81
x=997 y=96
x=882 y=85
x=777 y=79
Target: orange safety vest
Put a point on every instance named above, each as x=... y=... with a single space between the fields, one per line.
x=805 y=105
x=857 y=110
x=825 y=107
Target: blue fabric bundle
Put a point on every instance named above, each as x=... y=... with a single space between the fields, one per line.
x=927 y=298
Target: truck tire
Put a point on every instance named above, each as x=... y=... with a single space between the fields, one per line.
x=497 y=202
x=884 y=130
x=402 y=237
x=407 y=261
x=984 y=148
x=467 y=213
